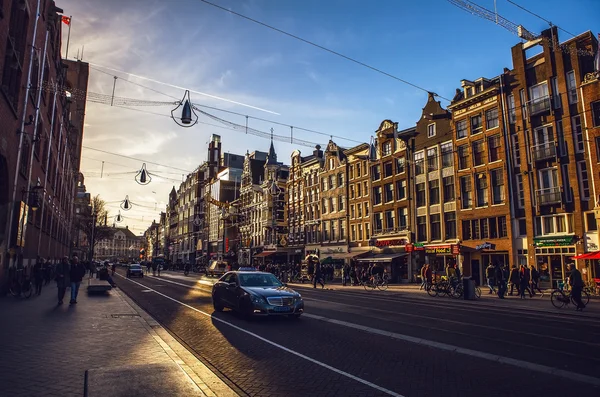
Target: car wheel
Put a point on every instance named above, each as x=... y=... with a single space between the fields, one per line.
x=218 y=306
x=246 y=309
x=141 y=276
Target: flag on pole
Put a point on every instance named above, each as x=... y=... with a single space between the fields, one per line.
x=66 y=20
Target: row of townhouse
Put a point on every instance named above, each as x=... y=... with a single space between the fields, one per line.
x=507 y=173
x=42 y=110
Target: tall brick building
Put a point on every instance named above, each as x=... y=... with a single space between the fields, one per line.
x=42 y=107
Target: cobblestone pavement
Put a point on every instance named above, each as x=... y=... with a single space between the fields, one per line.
x=354 y=343
x=46 y=348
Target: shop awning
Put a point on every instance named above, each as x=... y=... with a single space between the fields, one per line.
x=381 y=258
x=588 y=255
x=342 y=255
x=265 y=254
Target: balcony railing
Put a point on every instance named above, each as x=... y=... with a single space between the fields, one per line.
x=543 y=151
x=549 y=196
x=539 y=105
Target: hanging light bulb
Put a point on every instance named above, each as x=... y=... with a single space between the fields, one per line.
x=143 y=176
x=188 y=115
x=373 y=150
x=126 y=204
x=119 y=218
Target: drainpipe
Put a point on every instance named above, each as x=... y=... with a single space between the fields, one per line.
x=510 y=169
x=21 y=133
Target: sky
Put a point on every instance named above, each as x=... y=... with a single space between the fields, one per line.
x=157 y=48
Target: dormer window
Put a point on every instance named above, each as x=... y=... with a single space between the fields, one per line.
x=469 y=92
x=430 y=130
x=386 y=148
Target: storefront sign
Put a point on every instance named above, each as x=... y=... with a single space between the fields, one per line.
x=455 y=249
x=485 y=246
x=409 y=247
x=553 y=241
x=391 y=243
x=442 y=249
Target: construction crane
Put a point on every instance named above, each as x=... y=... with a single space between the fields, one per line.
x=493 y=16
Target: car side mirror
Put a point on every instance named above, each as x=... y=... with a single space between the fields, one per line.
x=232 y=285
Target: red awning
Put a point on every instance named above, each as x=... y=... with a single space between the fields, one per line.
x=264 y=253
x=588 y=255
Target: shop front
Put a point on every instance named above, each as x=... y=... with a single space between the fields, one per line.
x=296 y=255
x=473 y=260
x=334 y=256
x=437 y=256
x=552 y=255
x=390 y=253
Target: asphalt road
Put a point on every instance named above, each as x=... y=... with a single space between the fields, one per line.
x=356 y=343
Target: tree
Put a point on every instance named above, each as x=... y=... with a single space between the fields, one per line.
x=91 y=221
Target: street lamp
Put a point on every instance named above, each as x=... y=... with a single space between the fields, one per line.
x=118 y=218
x=143 y=176
x=126 y=204
x=188 y=116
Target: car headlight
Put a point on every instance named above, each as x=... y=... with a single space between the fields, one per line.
x=256 y=299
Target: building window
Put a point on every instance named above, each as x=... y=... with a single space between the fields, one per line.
x=16 y=45
x=520 y=191
x=331 y=164
x=516 y=150
x=419 y=158
x=400 y=190
x=432 y=159
x=476 y=125
x=450 y=225
x=482 y=189
x=389 y=220
x=24 y=166
x=376 y=172
x=400 y=165
x=461 y=129
x=402 y=218
x=466 y=230
x=577 y=133
x=502 y=229
x=359 y=210
x=351 y=172
x=340 y=180
x=484 y=228
x=590 y=222
x=342 y=229
x=478 y=153
x=358 y=173
x=341 y=203
x=421 y=228
x=463 y=157
x=596 y=113
x=475 y=230
x=448 y=189
x=360 y=232
x=523 y=104
x=366 y=187
x=334 y=230
x=331 y=182
x=436 y=226
x=388 y=191
x=494 y=148
x=522 y=227
x=571 y=87
x=512 y=109
x=540 y=100
x=377 y=195
x=584 y=184
x=332 y=205
x=367 y=231
x=446 y=154
x=421 y=202
x=324 y=206
x=430 y=130
x=353 y=233
x=352 y=192
x=378 y=222
x=497 y=186
x=366 y=209
x=597 y=141
x=326 y=232
x=466 y=193
x=434 y=191
x=358 y=190
x=388 y=170
x=491 y=118
x=386 y=148
x=555 y=94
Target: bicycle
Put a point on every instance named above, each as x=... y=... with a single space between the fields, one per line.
x=20 y=284
x=561 y=298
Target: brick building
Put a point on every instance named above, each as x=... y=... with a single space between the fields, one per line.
x=311 y=166
x=359 y=205
x=41 y=124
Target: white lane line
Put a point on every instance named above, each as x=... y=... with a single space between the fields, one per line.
x=305 y=357
x=183 y=285
x=469 y=352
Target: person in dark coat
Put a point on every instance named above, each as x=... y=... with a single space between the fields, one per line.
x=535 y=279
x=576 y=283
x=76 y=274
x=515 y=279
x=500 y=281
x=525 y=276
x=62 y=278
x=318 y=278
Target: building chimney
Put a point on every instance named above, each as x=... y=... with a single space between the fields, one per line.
x=318 y=152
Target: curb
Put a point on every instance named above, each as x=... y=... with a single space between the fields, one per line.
x=209 y=383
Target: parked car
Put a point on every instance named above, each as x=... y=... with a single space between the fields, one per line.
x=135 y=270
x=216 y=268
x=253 y=293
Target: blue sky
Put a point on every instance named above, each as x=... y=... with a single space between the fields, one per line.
x=187 y=43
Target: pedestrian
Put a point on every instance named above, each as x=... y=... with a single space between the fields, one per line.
x=525 y=279
x=318 y=276
x=500 y=281
x=62 y=278
x=47 y=268
x=344 y=275
x=158 y=269
x=423 y=276
x=93 y=269
x=38 y=275
x=428 y=277
x=490 y=275
x=148 y=266
x=515 y=279
x=76 y=274
x=576 y=283
x=535 y=279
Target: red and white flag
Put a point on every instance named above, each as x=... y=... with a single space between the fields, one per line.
x=66 y=20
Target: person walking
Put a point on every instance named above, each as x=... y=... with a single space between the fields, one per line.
x=76 y=274
x=62 y=278
x=514 y=279
x=500 y=281
x=148 y=266
x=525 y=279
x=428 y=277
x=576 y=283
x=93 y=269
x=38 y=275
x=535 y=279
x=490 y=275
x=423 y=277
x=318 y=278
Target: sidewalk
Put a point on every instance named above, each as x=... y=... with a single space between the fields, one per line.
x=47 y=349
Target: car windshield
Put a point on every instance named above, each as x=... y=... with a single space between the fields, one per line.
x=259 y=280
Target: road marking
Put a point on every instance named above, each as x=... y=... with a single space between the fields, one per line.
x=183 y=285
x=469 y=352
x=295 y=353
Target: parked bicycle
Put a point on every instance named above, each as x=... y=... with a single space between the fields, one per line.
x=452 y=289
x=20 y=284
x=376 y=282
